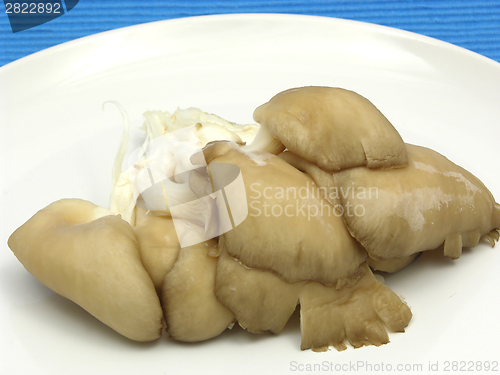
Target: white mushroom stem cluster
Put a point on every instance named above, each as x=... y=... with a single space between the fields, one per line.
x=300 y=243
x=159 y=166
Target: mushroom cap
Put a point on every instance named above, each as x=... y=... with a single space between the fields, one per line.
x=412 y=209
x=417 y=208
x=93 y=261
x=333 y=128
x=360 y=314
x=191 y=309
x=260 y=300
x=290 y=229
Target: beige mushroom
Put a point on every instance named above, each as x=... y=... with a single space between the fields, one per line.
x=290 y=229
x=191 y=309
x=360 y=314
x=90 y=256
x=303 y=240
x=260 y=300
x=184 y=279
x=409 y=210
x=331 y=127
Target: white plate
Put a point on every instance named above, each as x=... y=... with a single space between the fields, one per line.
x=57 y=141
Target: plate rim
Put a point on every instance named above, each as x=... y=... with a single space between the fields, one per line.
x=383 y=31
x=249 y=16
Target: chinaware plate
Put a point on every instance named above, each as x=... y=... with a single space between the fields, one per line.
x=59 y=139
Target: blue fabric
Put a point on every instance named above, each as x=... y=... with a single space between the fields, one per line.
x=473 y=24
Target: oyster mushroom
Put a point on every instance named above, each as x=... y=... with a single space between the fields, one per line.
x=192 y=311
x=290 y=229
x=260 y=300
x=331 y=127
x=360 y=314
x=270 y=260
x=90 y=256
x=413 y=209
x=184 y=279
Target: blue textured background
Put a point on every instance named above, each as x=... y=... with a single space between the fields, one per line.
x=474 y=25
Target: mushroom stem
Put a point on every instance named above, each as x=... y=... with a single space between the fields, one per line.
x=264 y=141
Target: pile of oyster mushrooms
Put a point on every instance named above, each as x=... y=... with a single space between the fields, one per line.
x=332 y=193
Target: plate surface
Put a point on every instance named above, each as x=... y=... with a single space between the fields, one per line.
x=58 y=141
